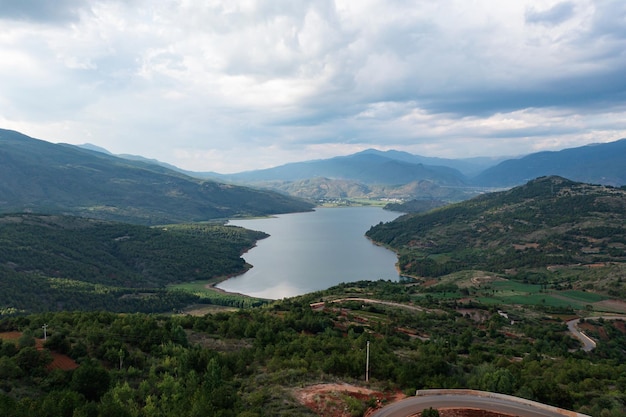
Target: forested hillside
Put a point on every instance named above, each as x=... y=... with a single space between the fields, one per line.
x=257 y=362
x=534 y=232
x=50 y=262
x=42 y=177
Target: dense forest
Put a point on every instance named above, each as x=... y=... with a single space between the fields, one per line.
x=250 y=363
x=51 y=262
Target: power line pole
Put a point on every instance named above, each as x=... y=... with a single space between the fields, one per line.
x=367 y=362
x=45 y=334
x=121 y=355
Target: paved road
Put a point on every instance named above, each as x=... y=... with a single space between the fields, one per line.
x=588 y=343
x=499 y=404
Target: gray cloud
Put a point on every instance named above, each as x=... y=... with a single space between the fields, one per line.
x=42 y=11
x=555 y=15
x=236 y=85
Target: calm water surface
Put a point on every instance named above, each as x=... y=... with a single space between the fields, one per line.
x=313 y=251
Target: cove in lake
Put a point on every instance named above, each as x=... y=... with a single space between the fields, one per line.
x=313 y=251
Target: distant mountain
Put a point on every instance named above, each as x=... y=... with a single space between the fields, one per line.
x=365 y=167
x=39 y=176
x=328 y=189
x=467 y=166
x=95 y=148
x=596 y=164
x=394 y=174
x=203 y=175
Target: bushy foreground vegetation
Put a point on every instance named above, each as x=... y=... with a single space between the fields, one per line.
x=246 y=363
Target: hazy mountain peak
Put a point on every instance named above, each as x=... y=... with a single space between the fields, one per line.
x=95 y=148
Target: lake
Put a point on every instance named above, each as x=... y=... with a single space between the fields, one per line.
x=313 y=251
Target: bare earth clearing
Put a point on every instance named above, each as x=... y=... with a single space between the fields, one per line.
x=329 y=400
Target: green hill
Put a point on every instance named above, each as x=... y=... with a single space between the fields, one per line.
x=39 y=176
x=525 y=232
x=68 y=263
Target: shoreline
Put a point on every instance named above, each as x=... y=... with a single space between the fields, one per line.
x=211 y=285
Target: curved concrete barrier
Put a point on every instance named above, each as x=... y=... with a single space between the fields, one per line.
x=510 y=398
x=472 y=399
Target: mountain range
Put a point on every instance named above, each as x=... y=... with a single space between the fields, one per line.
x=596 y=163
x=394 y=174
x=41 y=177
x=87 y=180
x=603 y=163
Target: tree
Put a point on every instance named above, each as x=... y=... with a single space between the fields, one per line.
x=9 y=369
x=430 y=412
x=26 y=340
x=32 y=361
x=91 y=380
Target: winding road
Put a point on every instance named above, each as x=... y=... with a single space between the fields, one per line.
x=588 y=343
x=498 y=403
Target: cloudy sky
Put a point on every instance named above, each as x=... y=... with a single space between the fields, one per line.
x=236 y=85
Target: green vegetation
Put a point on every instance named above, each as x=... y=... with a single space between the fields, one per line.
x=42 y=177
x=209 y=295
x=247 y=363
x=69 y=263
x=498 y=276
x=416 y=206
x=551 y=231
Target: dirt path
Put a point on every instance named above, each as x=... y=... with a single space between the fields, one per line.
x=330 y=400
x=320 y=305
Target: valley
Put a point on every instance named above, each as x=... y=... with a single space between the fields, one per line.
x=100 y=316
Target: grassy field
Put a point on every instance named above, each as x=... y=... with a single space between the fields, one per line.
x=211 y=295
x=503 y=292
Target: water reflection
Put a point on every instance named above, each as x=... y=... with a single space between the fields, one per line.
x=313 y=251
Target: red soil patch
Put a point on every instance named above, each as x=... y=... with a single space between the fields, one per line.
x=620 y=325
x=329 y=400
x=10 y=335
x=588 y=327
x=59 y=361
x=62 y=362
x=600 y=331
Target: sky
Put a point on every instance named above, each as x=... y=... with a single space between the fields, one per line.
x=237 y=85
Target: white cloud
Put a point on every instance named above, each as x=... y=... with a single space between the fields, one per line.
x=244 y=84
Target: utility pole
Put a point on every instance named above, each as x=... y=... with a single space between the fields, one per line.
x=45 y=334
x=367 y=362
x=121 y=355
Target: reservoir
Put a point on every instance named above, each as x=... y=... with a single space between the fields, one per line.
x=313 y=251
